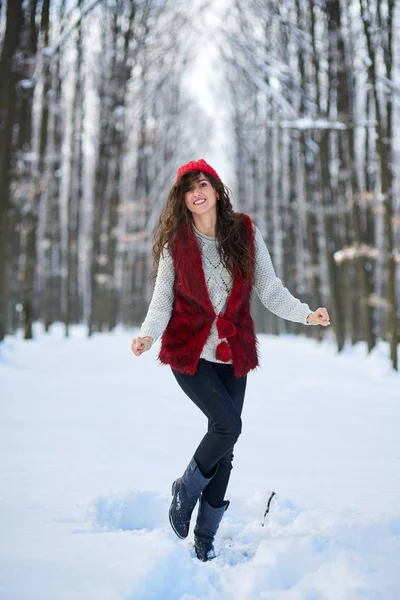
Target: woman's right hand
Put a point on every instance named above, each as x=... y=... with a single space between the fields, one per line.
x=141 y=344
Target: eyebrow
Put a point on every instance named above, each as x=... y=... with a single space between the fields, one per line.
x=198 y=181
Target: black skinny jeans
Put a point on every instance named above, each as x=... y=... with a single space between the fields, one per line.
x=219 y=395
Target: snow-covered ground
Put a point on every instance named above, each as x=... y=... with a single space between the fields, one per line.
x=92 y=437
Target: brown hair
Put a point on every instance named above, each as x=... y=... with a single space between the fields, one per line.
x=231 y=235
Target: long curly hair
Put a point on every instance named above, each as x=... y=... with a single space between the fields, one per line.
x=231 y=235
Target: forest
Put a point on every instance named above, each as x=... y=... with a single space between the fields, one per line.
x=96 y=114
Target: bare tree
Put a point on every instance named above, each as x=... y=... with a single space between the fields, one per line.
x=109 y=164
x=48 y=180
x=299 y=67
x=9 y=77
x=134 y=126
x=73 y=305
x=384 y=125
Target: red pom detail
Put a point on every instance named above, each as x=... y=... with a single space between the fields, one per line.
x=197 y=165
x=223 y=352
x=224 y=327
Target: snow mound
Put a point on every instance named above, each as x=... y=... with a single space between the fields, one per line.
x=177 y=575
x=300 y=553
x=132 y=510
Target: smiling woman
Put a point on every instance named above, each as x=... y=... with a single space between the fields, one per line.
x=214 y=217
x=208 y=259
x=201 y=200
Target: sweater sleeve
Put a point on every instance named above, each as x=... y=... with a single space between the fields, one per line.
x=160 y=308
x=270 y=289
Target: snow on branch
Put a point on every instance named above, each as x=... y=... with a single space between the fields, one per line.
x=260 y=59
x=355 y=251
x=263 y=86
x=129 y=238
x=395 y=87
x=276 y=95
x=308 y=123
x=377 y=301
x=51 y=50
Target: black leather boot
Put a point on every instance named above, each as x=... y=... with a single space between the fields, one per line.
x=208 y=520
x=185 y=492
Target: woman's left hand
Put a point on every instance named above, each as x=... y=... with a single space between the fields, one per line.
x=319 y=317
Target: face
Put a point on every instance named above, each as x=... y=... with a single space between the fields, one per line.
x=202 y=197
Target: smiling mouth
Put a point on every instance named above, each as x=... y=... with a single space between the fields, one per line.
x=196 y=202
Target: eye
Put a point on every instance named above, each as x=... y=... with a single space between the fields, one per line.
x=203 y=183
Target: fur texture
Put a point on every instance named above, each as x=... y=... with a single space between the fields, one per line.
x=193 y=313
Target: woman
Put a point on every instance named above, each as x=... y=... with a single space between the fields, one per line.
x=208 y=259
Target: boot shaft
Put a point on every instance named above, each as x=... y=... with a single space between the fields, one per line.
x=208 y=520
x=185 y=492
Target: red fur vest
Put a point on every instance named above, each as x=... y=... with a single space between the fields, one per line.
x=193 y=314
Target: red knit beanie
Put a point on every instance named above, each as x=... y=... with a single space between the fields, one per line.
x=197 y=165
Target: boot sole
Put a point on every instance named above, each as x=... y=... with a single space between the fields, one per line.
x=172 y=525
x=170 y=519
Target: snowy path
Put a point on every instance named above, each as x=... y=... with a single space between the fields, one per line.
x=91 y=438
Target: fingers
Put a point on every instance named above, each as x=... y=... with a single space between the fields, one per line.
x=141 y=344
x=137 y=346
x=323 y=316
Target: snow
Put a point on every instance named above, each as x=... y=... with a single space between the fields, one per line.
x=26 y=84
x=92 y=438
x=74 y=19
x=354 y=251
x=309 y=123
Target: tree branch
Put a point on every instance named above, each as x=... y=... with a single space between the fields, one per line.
x=52 y=50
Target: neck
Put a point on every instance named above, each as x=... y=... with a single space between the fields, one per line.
x=206 y=224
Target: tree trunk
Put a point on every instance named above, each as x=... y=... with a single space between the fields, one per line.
x=384 y=147
x=8 y=82
x=327 y=192
x=73 y=310
x=52 y=271
x=310 y=191
x=347 y=115
x=24 y=148
x=368 y=216
x=335 y=306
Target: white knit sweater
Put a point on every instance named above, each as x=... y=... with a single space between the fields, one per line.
x=268 y=286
